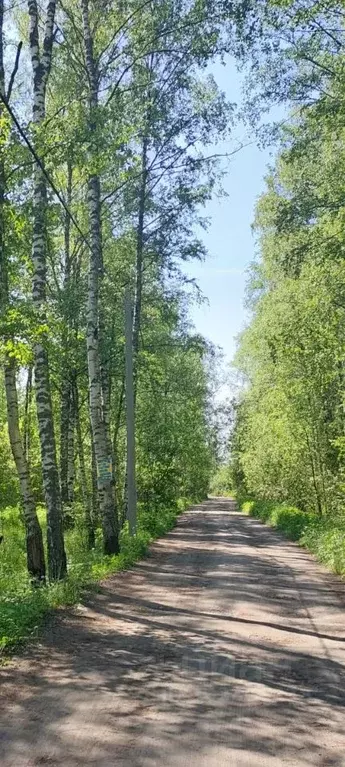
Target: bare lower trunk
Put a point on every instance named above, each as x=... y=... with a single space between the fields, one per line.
x=56 y=552
x=27 y=417
x=41 y=63
x=70 y=463
x=67 y=429
x=34 y=539
x=96 y=512
x=106 y=401
x=120 y=496
x=101 y=438
x=64 y=431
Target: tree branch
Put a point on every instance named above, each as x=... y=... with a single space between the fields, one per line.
x=14 y=71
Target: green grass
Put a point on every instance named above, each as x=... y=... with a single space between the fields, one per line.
x=23 y=609
x=322 y=536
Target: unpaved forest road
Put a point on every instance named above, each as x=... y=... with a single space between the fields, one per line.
x=225 y=647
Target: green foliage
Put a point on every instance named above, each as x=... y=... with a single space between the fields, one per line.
x=290 y=419
x=324 y=537
x=174 y=441
x=291 y=521
x=23 y=608
x=149 y=142
x=221 y=482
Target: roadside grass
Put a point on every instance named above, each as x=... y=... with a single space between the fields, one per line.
x=323 y=536
x=23 y=608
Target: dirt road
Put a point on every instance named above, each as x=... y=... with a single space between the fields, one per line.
x=225 y=647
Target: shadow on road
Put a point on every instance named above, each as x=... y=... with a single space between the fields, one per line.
x=208 y=652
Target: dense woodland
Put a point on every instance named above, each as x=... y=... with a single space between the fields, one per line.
x=108 y=122
x=109 y=117
x=289 y=440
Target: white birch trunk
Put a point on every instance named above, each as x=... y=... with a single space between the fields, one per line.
x=41 y=64
x=101 y=438
x=139 y=262
x=34 y=540
x=67 y=424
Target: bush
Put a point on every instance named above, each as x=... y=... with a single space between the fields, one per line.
x=326 y=539
x=288 y=519
x=322 y=536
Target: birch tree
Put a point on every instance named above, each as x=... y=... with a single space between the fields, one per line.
x=66 y=415
x=41 y=59
x=99 y=421
x=34 y=540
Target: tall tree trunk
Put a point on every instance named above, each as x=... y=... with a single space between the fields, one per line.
x=139 y=263
x=67 y=429
x=121 y=497
x=34 y=539
x=84 y=484
x=96 y=511
x=27 y=417
x=41 y=63
x=66 y=406
x=138 y=291
x=101 y=438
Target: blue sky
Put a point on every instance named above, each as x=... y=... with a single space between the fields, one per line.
x=229 y=239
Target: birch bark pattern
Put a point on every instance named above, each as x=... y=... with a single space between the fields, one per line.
x=41 y=64
x=33 y=532
x=101 y=439
x=66 y=405
x=139 y=263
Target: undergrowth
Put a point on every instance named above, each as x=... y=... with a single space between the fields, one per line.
x=23 y=608
x=323 y=536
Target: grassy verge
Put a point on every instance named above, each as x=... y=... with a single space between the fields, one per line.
x=322 y=536
x=24 y=609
